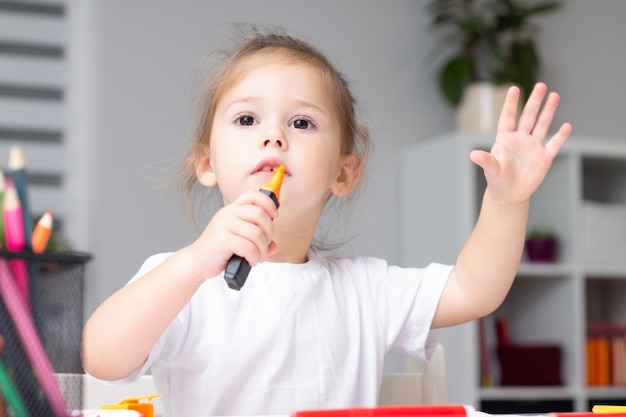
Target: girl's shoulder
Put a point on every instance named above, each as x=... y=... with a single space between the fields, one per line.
x=150 y=263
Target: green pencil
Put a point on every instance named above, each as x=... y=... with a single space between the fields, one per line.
x=10 y=393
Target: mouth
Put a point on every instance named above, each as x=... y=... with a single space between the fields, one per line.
x=268 y=166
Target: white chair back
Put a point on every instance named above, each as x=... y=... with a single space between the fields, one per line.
x=424 y=382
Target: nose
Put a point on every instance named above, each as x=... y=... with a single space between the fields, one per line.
x=274 y=137
x=274 y=141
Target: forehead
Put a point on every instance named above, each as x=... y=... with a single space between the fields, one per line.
x=279 y=65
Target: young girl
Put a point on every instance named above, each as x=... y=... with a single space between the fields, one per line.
x=306 y=330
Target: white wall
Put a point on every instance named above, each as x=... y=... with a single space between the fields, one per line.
x=141 y=55
x=133 y=62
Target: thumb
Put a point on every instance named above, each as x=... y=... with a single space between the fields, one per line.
x=486 y=161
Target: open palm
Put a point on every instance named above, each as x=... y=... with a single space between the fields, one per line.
x=520 y=156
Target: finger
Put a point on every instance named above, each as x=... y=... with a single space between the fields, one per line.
x=259 y=199
x=542 y=126
x=251 y=226
x=508 y=115
x=486 y=161
x=242 y=245
x=553 y=146
x=531 y=109
x=256 y=222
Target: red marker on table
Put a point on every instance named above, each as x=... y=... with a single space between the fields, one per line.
x=238 y=268
x=428 y=410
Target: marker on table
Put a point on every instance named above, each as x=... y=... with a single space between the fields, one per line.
x=609 y=409
x=584 y=414
x=238 y=268
x=427 y=410
x=17 y=168
x=42 y=232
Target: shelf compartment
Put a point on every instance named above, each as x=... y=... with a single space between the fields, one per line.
x=525 y=393
x=538 y=312
x=604 y=180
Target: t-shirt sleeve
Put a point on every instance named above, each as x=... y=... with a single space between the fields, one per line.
x=412 y=298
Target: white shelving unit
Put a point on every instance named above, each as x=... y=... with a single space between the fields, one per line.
x=548 y=303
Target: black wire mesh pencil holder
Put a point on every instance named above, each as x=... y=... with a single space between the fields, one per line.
x=56 y=306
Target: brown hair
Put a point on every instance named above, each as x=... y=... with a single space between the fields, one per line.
x=221 y=69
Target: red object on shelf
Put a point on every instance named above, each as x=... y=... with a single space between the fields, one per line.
x=502 y=331
x=532 y=365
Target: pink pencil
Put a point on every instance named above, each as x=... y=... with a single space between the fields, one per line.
x=15 y=237
x=30 y=341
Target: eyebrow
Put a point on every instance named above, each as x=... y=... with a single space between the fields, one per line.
x=244 y=100
x=301 y=103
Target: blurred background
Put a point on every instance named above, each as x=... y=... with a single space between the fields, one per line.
x=98 y=93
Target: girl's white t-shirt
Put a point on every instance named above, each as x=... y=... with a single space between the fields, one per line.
x=297 y=336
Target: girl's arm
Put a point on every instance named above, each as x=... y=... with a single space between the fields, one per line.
x=121 y=332
x=119 y=335
x=514 y=168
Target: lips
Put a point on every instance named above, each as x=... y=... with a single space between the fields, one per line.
x=268 y=165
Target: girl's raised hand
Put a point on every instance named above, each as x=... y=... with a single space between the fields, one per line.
x=520 y=156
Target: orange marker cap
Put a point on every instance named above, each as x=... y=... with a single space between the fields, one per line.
x=143 y=405
x=274 y=184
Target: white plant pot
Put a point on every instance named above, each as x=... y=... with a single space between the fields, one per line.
x=480 y=108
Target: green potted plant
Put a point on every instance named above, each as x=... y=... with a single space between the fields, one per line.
x=492 y=44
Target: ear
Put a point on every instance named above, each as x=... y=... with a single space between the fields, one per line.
x=348 y=177
x=204 y=169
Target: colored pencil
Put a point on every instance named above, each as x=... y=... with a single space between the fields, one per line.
x=30 y=341
x=17 y=169
x=8 y=389
x=15 y=238
x=12 y=216
x=2 y=241
x=42 y=232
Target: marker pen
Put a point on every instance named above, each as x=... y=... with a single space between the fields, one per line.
x=608 y=409
x=238 y=268
x=428 y=410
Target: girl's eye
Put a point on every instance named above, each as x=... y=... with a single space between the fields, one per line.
x=302 y=124
x=245 y=120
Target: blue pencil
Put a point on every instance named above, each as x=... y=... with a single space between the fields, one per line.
x=17 y=168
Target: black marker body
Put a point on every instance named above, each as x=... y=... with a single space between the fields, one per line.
x=238 y=268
